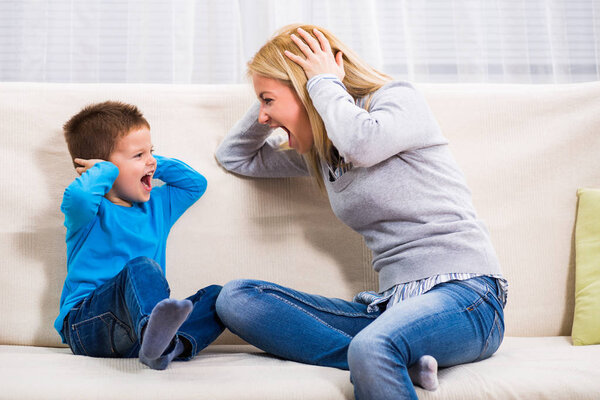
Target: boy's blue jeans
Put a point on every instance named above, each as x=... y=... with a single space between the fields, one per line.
x=108 y=322
x=456 y=322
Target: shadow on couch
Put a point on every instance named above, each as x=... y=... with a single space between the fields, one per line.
x=48 y=234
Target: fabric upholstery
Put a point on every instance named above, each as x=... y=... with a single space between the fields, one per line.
x=525 y=150
x=524 y=368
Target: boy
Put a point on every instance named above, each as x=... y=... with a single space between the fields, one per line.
x=115 y=300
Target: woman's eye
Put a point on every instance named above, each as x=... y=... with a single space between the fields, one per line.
x=268 y=101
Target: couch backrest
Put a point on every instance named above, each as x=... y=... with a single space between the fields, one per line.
x=524 y=149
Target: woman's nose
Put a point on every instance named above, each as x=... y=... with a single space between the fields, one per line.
x=263 y=118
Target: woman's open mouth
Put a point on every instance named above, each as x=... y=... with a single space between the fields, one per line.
x=290 y=137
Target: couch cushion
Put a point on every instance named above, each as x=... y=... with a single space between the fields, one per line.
x=586 y=322
x=525 y=149
x=523 y=368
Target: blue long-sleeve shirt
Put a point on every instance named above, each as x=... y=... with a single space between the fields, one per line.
x=102 y=237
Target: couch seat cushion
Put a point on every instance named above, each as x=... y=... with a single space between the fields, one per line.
x=523 y=368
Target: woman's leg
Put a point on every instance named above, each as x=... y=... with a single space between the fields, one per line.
x=291 y=324
x=456 y=322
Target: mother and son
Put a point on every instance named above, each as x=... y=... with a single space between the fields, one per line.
x=372 y=145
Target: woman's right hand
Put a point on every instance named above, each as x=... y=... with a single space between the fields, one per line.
x=319 y=56
x=86 y=164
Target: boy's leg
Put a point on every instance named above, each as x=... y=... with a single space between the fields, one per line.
x=159 y=343
x=203 y=325
x=108 y=322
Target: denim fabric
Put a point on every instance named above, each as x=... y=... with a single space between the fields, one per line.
x=108 y=322
x=456 y=322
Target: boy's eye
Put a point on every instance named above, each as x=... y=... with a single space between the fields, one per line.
x=138 y=155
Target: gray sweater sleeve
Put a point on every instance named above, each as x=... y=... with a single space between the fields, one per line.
x=250 y=149
x=398 y=120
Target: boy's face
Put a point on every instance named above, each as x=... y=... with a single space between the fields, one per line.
x=133 y=156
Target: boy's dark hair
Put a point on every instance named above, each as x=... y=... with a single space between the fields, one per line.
x=93 y=132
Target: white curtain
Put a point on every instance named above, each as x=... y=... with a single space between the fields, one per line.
x=210 y=41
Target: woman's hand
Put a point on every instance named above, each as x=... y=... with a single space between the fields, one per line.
x=319 y=57
x=87 y=164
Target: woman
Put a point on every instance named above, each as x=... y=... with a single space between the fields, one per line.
x=374 y=146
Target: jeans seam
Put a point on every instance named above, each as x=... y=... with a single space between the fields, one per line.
x=480 y=300
x=346 y=314
x=79 y=340
x=489 y=336
x=139 y=310
x=495 y=327
x=309 y=314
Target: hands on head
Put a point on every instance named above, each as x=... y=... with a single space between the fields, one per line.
x=319 y=58
x=86 y=164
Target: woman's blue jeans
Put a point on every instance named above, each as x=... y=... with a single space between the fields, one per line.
x=456 y=322
x=108 y=322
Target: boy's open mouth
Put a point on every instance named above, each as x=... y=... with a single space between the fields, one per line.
x=147 y=180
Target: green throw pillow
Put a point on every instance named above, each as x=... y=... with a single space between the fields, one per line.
x=586 y=322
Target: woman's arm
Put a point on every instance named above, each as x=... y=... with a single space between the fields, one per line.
x=249 y=149
x=398 y=120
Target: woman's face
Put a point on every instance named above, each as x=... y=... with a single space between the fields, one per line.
x=280 y=107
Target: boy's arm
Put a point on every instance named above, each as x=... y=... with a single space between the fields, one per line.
x=184 y=186
x=82 y=197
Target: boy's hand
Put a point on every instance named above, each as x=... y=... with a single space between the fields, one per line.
x=87 y=164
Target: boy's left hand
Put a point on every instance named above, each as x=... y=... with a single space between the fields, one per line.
x=87 y=164
x=319 y=56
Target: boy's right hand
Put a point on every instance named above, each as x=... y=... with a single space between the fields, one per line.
x=87 y=164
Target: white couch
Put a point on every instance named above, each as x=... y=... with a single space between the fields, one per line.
x=525 y=150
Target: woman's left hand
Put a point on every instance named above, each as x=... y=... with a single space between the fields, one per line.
x=319 y=57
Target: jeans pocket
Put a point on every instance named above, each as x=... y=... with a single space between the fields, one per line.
x=101 y=336
x=494 y=339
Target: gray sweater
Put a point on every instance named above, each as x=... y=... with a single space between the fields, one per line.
x=405 y=193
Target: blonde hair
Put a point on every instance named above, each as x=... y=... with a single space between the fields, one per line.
x=360 y=80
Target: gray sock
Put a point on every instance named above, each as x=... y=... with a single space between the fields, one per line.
x=163 y=361
x=424 y=373
x=166 y=318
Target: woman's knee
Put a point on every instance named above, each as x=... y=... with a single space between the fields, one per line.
x=373 y=350
x=232 y=297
